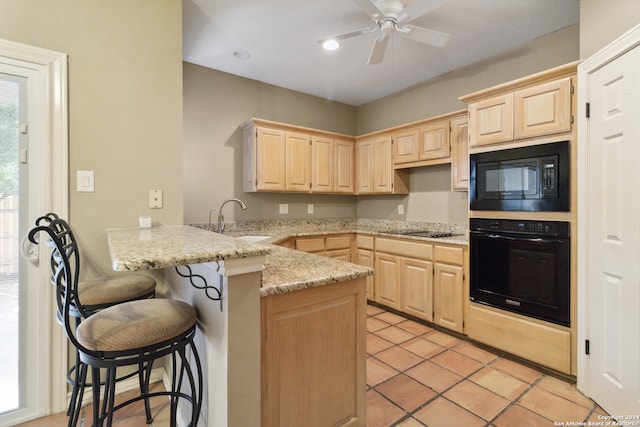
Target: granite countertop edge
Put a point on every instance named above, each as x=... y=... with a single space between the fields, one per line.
x=285 y=270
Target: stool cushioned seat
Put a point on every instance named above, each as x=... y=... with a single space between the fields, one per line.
x=104 y=291
x=134 y=325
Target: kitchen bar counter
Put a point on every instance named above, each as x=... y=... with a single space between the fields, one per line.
x=135 y=249
x=238 y=288
x=285 y=270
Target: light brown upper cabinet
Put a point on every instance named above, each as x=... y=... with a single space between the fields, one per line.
x=264 y=159
x=285 y=158
x=459 y=153
x=298 y=163
x=382 y=164
x=434 y=140
x=425 y=142
x=332 y=165
x=375 y=173
x=343 y=167
x=543 y=109
x=406 y=148
x=536 y=106
x=491 y=120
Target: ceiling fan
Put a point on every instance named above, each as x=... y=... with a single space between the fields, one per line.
x=390 y=16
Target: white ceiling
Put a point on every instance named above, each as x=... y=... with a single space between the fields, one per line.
x=282 y=36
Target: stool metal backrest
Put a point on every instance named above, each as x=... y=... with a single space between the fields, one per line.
x=65 y=267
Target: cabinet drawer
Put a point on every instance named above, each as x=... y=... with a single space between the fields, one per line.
x=364 y=242
x=448 y=255
x=314 y=244
x=404 y=248
x=338 y=242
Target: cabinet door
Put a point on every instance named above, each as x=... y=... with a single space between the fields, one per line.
x=382 y=164
x=543 y=109
x=321 y=164
x=434 y=140
x=448 y=296
x=459 y=154
x=298 y=163
x=313 y=357
x=365 y=257
x=270 y=164
x=405 y=146
x=416 y=294
x=311 y=244
x=387 y=290
x=491 y=121
x=343 y=163
x=341 y=254
x=364 y=171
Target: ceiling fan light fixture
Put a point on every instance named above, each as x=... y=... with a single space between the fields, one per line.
x=331 y=44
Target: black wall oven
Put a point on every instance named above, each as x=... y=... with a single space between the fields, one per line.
x=532 y=178
x=521 y=266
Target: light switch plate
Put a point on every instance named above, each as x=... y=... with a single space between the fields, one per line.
x=284 y=208
x=401 y=209
x=309 y=208
x=85 y=182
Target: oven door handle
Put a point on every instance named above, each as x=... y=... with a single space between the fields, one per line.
x=524 y=239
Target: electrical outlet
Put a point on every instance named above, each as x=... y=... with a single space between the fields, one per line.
x=155 y=199
x=309 y=208
x=400 y=209
x=284 y=208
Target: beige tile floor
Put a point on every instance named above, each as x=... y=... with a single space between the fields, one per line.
x=418 y=376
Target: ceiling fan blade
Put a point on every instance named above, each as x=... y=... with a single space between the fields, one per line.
x=370 y=9
x=424 y=35
x=349 y=34
x=419 y=8
x=377 y=52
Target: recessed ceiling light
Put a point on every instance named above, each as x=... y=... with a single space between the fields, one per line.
x=241 y=54
x=331 y=44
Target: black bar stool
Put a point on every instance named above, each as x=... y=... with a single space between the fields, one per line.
x=133 y=333
x=94 y=295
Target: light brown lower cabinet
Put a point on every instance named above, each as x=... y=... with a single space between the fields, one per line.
x=424 y=280
x=314 y=356
x=404 y=276
x=365 y=257
x=338 y=246
x=448 y=287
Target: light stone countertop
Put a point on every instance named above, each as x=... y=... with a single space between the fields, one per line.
x=288 y=270
x=135 y=249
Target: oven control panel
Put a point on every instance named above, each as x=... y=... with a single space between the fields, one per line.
x=545 y=228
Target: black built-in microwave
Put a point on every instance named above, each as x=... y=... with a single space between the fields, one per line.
x=532 y=178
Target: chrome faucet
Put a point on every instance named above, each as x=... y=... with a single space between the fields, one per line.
x=220 y=228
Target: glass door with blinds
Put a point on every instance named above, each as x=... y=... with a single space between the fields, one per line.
x=13 y=280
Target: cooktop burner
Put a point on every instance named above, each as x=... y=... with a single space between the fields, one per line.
x=422 y=233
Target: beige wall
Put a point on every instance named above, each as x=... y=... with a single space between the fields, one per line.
x=430 y=198
x=125 y=105
x=603 y=21
x=215 y=105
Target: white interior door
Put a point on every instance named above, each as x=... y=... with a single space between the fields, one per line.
x=611 y=238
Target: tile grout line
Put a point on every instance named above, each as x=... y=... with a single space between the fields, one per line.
x=489 y=364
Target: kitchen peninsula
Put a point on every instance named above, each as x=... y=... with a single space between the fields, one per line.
x=284 y=344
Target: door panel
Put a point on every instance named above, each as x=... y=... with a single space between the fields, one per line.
x=613 y=235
